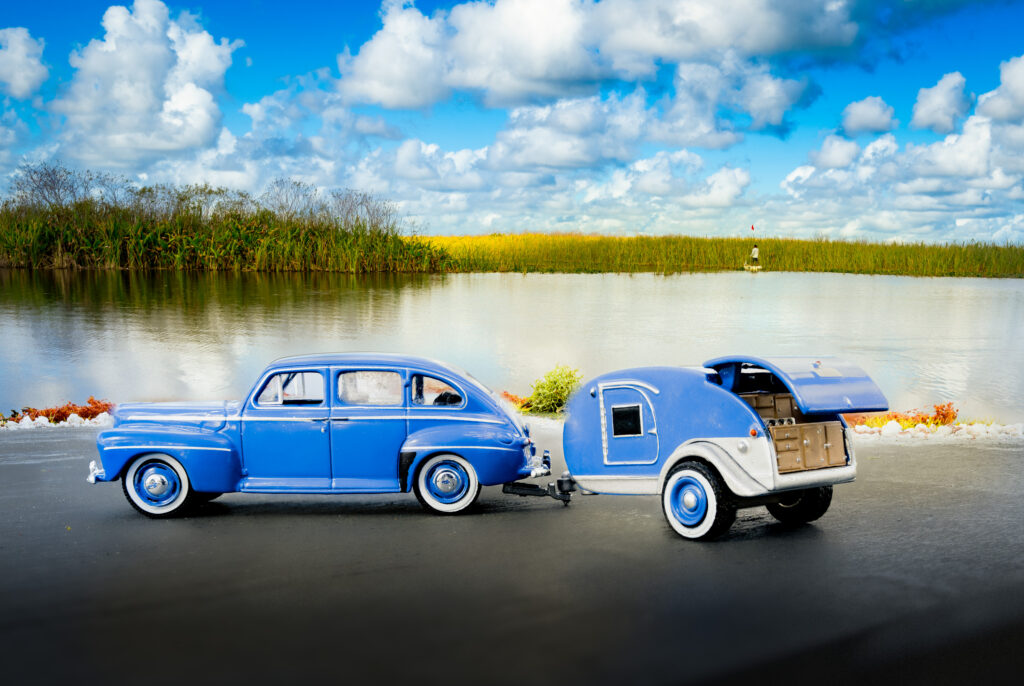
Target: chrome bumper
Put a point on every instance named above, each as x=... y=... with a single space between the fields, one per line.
x=95 y=473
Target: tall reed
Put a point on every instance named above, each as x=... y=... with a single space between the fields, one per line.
x=533 y=252
x=61 y=218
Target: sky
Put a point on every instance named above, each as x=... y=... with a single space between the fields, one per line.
x=881 y=120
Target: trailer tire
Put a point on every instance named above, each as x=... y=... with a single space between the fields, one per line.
x=800 y=507
x=696 y=503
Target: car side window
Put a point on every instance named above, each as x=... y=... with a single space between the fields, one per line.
x=293 y=388
x=370 y=388
x=426 y=390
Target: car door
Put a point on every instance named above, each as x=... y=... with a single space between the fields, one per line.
x=628 y=425
x=285 y=438
x=368 y=428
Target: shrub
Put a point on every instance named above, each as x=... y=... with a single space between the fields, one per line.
x=552 y=391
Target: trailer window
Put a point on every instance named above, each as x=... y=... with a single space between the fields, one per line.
x=626 y=420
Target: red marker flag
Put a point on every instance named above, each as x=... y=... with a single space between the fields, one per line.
x=751 y=227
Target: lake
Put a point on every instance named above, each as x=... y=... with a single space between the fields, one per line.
x=123 y=336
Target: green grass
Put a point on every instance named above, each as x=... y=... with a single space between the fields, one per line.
x=670 y=254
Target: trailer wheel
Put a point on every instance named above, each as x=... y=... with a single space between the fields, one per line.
x=800 y=507
x=695 y=502
x=446 y=484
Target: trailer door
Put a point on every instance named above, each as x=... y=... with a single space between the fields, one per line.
x=629 y=432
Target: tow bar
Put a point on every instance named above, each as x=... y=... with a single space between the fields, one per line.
x=562 y=489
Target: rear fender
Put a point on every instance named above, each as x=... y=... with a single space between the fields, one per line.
x=496 y=452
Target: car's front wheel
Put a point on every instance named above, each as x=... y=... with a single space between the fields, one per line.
x=157 y=486
x=696 y=504
x=447 y=484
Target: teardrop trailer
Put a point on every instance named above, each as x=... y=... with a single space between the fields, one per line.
x=738 y=432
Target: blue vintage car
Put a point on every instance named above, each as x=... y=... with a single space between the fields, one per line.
x=737 y=432
x=341 y=423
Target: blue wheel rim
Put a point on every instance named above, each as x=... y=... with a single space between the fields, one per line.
x=447 y=482
x=156 y=484
x=693 y=513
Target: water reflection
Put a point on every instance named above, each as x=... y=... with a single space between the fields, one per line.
x=179 y=336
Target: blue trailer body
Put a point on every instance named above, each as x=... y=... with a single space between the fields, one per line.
x=759 y=427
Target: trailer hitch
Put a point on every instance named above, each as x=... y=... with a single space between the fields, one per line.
x=562 y=489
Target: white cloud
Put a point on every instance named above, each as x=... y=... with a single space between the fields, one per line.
x=836 y=152
x=403 y=65
x=516 y=50
x=1006 y=103
x=940 y=107
x=145 y=90
x=571 y=133
x=21 y=67
x=721 y=189
x=637 y=34
x=965 y=154
x=522 y=51
x=870 y=115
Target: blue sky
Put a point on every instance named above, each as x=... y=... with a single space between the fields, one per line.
x=873 y=119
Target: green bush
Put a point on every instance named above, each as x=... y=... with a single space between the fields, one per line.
x=552 y=391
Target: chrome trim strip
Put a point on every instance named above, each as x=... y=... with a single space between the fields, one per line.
x=161 y=447
x=461 y=447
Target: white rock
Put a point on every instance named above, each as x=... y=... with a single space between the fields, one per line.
x=26 y=423
x=102 y=419
x=75 y=420
x=1014 y=429
x=977 y=429
x=42 y=421
x=944 y=430
x=892 y=428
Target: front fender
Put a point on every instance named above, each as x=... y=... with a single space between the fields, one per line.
x=497 y=454
x=211 y=460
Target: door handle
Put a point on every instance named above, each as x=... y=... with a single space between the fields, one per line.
x=653 y=432
x=339 y=419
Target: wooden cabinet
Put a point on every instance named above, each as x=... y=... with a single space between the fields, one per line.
x=809 y=446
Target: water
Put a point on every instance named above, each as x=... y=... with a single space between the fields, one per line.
x=171 y=336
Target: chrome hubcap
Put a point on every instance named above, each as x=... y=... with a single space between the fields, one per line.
x=446 y=481
x=156 y=484
x=689 y=500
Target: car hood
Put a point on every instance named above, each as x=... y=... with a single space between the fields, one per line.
x=208 y=415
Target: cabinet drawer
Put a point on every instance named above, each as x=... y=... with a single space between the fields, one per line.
x=785 y=433
x=790 y=461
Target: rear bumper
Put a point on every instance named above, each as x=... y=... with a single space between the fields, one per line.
x=96 y=473
x=535 y=466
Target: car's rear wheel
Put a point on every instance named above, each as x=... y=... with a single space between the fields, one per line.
x=446 y=484
x=800 y=507
x=157 y=486
x=695 y=502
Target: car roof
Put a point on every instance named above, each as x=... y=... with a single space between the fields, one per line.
x=371 y=359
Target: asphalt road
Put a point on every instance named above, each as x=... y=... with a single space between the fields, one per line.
x=915 y=575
